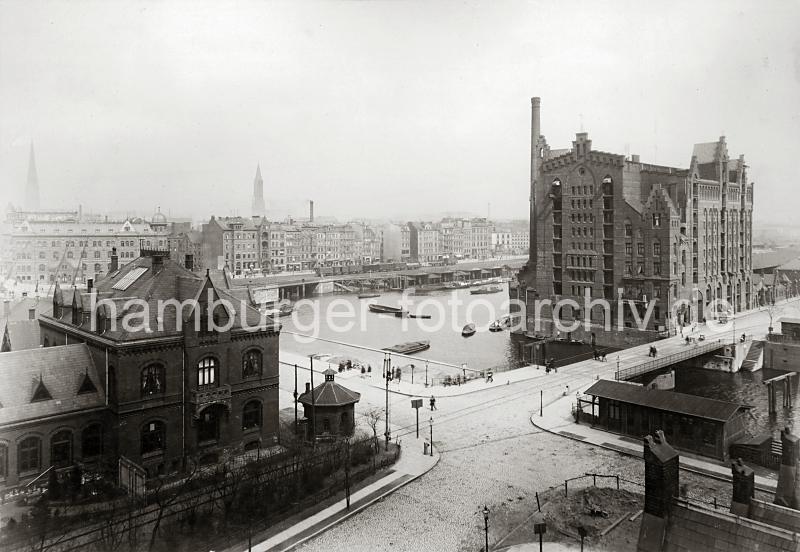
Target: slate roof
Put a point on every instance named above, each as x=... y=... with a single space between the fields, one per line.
x=171 y=282
x=23 y=334
x=62 y=370
x=690 y=405
x=705 y=152
x=330 y=393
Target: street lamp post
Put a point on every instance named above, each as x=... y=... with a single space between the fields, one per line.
x=426 y=373
x=431 y=420
x=486 y=526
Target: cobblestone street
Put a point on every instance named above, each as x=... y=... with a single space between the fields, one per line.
x=490 y=454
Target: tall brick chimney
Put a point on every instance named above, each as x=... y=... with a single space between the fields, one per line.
x=311 y=211
x=744 y=486
x=535 y=134
x=114 y=260
x=788 y=491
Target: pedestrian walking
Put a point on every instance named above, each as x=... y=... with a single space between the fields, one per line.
x=489 y=377
x=433 y=402
x=566 y=390
x=655 y=352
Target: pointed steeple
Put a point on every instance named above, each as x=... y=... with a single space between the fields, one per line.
x=258 y=208
x=32 y=186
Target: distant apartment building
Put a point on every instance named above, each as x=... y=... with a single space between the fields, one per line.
x=619 y=228
x=46 y=247
x=424 y=241
x=232 y=243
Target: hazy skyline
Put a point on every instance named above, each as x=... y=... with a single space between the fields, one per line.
x=380 y=109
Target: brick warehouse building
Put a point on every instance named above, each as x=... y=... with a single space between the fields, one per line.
x=174 y=392
x=620 y=228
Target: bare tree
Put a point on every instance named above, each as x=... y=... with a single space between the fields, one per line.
x=373 y=417
x=165 y=498
x=773 y=311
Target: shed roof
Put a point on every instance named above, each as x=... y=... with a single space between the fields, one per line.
x=691 y=405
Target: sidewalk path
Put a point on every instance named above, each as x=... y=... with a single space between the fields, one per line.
x=557 y=418
x=411 y=465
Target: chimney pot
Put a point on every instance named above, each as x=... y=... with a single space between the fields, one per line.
x=308 y=387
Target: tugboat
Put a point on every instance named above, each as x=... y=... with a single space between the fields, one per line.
x=368 y=295
x=496 y=326
x=409 y=348
x=485 y=290
x=468 y=330
x=384 y=309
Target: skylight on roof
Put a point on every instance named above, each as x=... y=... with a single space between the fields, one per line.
x=126 y=281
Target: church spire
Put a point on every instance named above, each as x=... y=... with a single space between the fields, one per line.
x=32 y=186
x=258 y=209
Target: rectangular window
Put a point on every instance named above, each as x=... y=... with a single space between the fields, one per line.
x=656 y=248
x=629 y=249
x=657 y=269
x=640 y=248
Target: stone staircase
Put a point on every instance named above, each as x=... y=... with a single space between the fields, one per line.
x=753 y=360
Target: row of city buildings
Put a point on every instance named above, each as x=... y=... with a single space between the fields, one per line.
x=43 y=247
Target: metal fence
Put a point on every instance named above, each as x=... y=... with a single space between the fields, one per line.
x=691 y=351
x=123 y=525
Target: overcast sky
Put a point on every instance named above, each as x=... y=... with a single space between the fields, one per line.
x=381 y=108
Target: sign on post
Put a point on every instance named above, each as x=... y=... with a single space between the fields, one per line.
x=416 y=404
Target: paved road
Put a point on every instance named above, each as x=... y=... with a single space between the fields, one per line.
x=492 y=454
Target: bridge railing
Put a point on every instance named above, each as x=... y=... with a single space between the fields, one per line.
x=691 y=351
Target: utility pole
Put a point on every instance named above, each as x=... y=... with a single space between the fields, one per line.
x=387 y=361
x=295 y=399
x=313 y=403
x=426 y=373
x=347 y=471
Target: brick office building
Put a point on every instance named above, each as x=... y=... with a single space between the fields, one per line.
x=615 y=227
x=174 y=391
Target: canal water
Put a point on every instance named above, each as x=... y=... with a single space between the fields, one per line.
x=742 y=387
x=345 y=318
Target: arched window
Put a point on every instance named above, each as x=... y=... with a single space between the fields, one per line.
x=251 y=414
x=152 y=380
x=92 y=441
x=29 y=454
x=3 y=461
x=61 y=449
x=206 y=372
x=153 y=438
x=251 y=363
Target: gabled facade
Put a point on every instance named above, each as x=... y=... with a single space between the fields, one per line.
x=174 y=391
x=618 y=228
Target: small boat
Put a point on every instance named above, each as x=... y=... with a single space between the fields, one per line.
x=409 y=348
x=384 y=309
x=485 y=290
x=468 y=330
x=368 y=295
x=283 y=310
x=423 y=316
x=496 y=326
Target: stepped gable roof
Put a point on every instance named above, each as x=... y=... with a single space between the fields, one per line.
x=681 y=403
x=330 y=393
x=61 y=370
